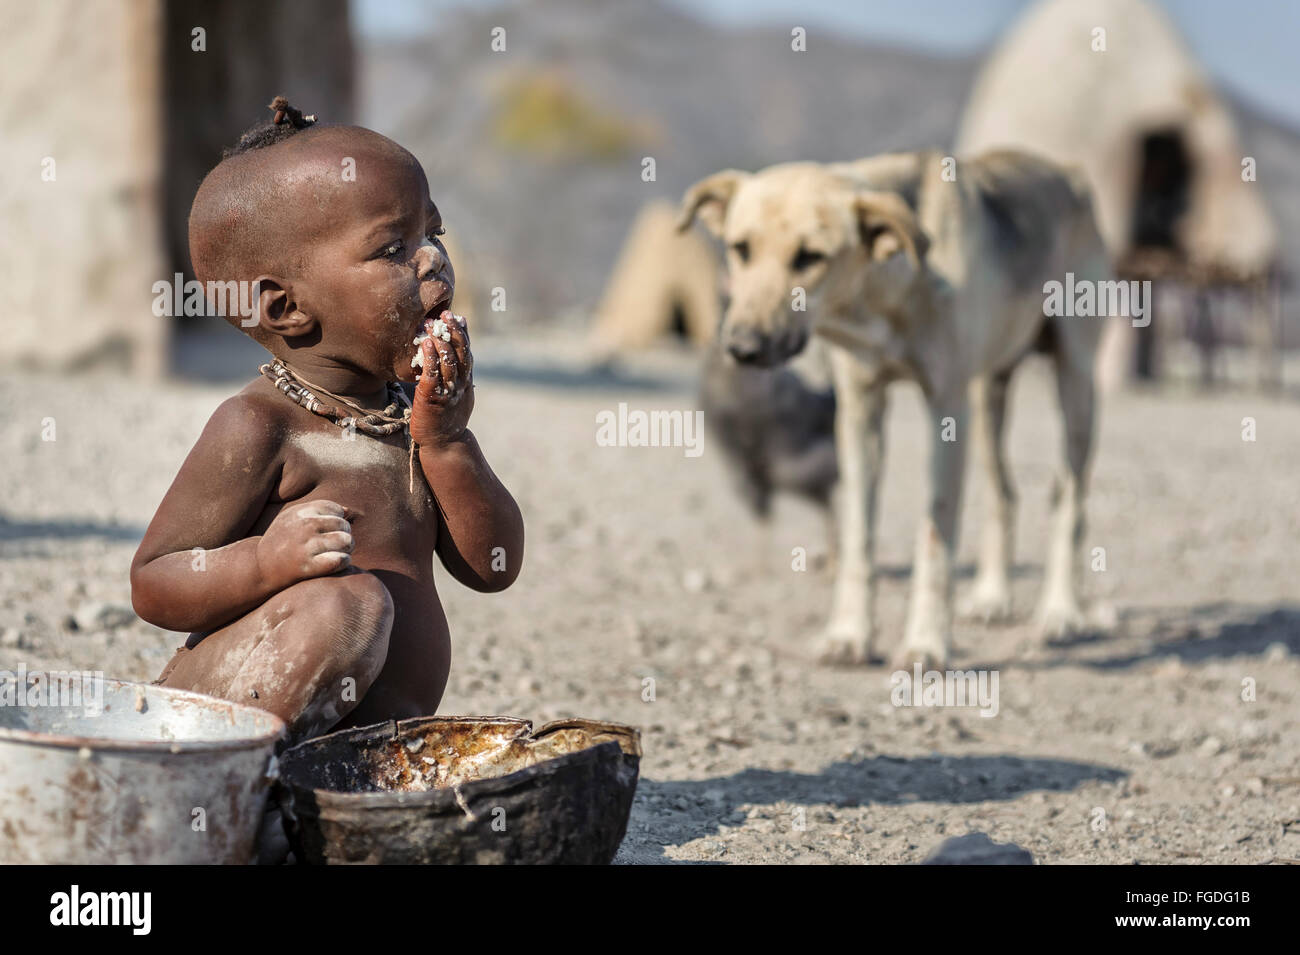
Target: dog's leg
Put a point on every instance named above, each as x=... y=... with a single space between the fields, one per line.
x=1059 y=612
x=859 y=442
x=990 y=596
x=929 y=614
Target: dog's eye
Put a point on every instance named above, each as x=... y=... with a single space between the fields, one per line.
x=741 y=249
x=805 y=258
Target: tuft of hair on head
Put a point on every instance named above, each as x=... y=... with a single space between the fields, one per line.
x=285 y=121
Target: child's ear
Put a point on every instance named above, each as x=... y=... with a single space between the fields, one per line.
x=278 y=311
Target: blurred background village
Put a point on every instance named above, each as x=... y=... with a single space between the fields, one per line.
x=535 y=121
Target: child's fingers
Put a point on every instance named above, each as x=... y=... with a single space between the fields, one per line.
x=330 y=562
x=324 y=523
x=340 y=541
x=458 y=326
x=431 y=376
x=460 y=348
x=448 y=366
x=323 y=509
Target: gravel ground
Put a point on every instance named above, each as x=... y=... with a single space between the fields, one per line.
x=1133 y=746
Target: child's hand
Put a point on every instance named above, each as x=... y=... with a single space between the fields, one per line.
x=310 y=539
x=444 y=395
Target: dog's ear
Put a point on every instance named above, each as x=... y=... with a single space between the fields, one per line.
x=708 y=200
x=887 y=224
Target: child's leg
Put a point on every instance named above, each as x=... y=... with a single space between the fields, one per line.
x=308 y=654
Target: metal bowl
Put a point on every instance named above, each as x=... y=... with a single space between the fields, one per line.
x=461 y=790
x=118 y=772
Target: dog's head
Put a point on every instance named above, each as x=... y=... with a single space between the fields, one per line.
x=801 y=236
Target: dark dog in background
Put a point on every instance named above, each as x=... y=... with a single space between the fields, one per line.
x=776 y=431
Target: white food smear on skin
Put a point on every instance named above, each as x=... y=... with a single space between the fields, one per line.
x=336 y=452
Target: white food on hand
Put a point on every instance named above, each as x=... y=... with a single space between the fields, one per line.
x=441 y=330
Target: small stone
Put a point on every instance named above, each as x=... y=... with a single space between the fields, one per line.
x=1212 y=746
x=528 y=685
x=976 y=848
x=695 y=581
x=103 y=616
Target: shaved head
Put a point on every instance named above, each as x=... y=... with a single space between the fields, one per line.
x=259 y=210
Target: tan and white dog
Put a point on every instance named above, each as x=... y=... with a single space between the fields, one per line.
x=916 y=266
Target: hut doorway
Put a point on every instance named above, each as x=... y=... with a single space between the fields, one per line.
x=1163 y=197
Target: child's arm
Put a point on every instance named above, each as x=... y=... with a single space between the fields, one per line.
x=480 y=531
x=196 y=570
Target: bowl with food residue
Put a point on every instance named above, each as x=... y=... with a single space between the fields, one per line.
x=461 y=790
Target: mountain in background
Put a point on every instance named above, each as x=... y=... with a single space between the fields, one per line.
x=535 y=153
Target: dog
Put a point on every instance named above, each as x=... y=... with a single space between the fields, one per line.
x=918 y=266
x=776 y=432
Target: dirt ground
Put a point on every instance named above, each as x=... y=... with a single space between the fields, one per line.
x=1133 y=746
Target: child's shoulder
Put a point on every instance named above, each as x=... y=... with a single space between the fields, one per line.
x=256 y=419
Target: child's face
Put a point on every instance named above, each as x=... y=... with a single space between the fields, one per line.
x=376 y=268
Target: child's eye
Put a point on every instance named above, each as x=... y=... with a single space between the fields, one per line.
x=441 y=230
x=393 y=249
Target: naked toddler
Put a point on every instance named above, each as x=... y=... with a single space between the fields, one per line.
x=296 y=544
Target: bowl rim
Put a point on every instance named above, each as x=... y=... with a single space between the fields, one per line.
x=327 y=799
x=172 y=747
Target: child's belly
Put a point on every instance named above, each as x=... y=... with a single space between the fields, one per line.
x=419 y=653
x=394 y=530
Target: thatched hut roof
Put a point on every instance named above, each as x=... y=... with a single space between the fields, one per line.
x=662 y=277
x=1046 y=88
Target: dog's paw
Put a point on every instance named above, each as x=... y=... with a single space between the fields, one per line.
x=930 y=658
x=1061 y=620
x=985 y=603
x=838 y=648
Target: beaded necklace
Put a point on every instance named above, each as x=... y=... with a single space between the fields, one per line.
x=395 y=417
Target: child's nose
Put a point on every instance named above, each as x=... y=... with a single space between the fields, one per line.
x=431 y=260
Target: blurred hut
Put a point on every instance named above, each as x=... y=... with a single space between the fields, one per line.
x=113 y=111
x=1109 y=86
x=81 y=240
x=664 y=282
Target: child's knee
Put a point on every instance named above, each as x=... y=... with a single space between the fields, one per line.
x=355 y=614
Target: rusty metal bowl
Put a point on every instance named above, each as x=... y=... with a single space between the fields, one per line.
x=118 y=773
x=461 y=790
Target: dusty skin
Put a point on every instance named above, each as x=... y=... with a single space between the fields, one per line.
x=314 y=597
x=643 y=564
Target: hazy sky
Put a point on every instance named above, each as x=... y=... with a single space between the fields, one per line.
x=1249 y=46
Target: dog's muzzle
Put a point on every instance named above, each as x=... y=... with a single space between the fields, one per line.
x=751 y=347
